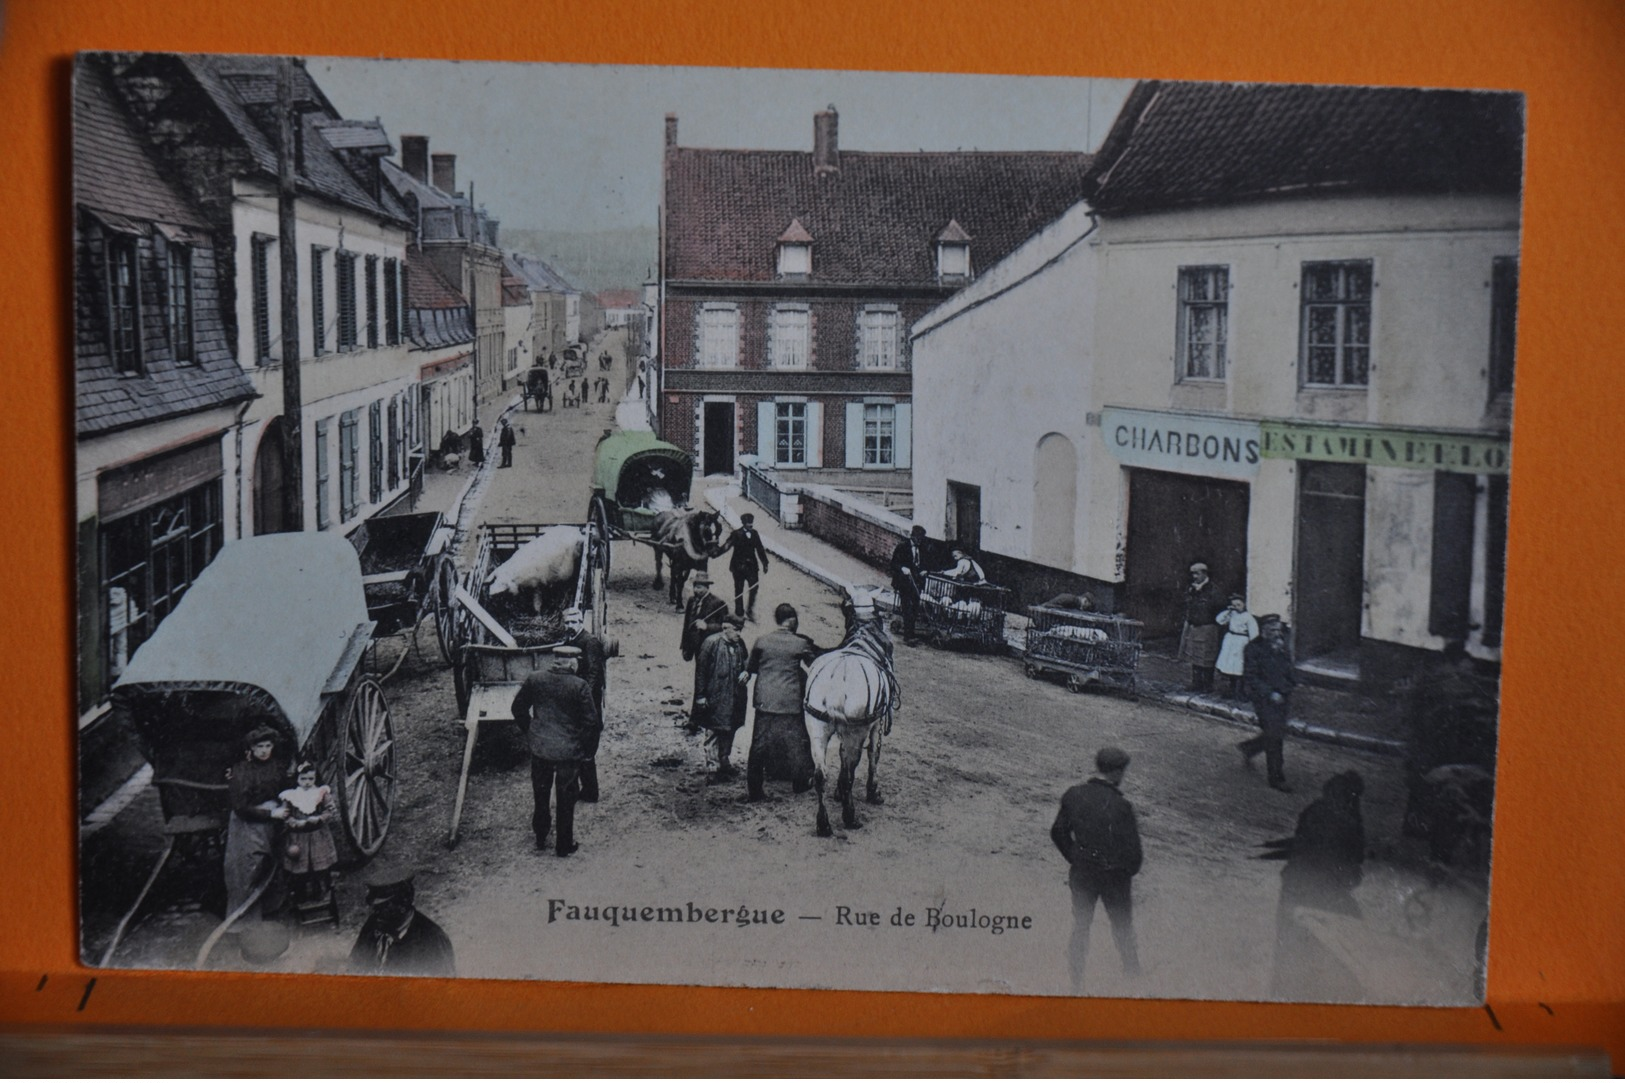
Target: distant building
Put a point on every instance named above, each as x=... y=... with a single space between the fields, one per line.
x=788 y=280
x=441 y=327
x=556 y=303
x=619 y=306
x=1278 y=338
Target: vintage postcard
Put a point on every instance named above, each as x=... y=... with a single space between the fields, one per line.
x=791 y=528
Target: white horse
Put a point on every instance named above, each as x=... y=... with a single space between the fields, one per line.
x=852 y=693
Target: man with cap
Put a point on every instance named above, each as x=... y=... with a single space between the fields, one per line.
x=556 y=710
x=719 y=694
x=908 y=577
x=593 y=670
x=1200 y=639
x=779 y=746
x=702 y=618
x=748 y=563
x=397 y=938
x=1096 y=832
x=1268 y=680
x=506 y=440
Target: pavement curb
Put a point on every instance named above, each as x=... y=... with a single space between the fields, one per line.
x=1238 y=717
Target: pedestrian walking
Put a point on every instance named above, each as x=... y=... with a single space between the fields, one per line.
x=1323 y=867
x=594 y=669
x=908 y=577
x=554 y=708
x=506 y=440
x=702 y=617
x=779 y=746
x=476 y=445
x=1200 y=639
x=1268 y=679
x=720 y=695
x=1096 y=832
x=1240 y=628
x=603 y=389
x=747 y=562
x=397 y=938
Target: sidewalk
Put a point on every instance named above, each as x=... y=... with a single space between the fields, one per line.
x=1343 y=718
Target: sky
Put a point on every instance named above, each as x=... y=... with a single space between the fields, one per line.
x=577 y=147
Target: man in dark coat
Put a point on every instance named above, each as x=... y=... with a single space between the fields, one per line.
x=1323 y=867
x=779 y=746
x=748 y=563
x=702 y=618
x=397 y=939
x=555 y=709
x=594 y=669
x=1096 y=832
x=1199 y=641
x=908 y=576
x=476 y=445
x=719 y=695
x=1268 y=680
x=506 y=440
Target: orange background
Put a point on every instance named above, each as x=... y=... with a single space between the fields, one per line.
x=1557 y=950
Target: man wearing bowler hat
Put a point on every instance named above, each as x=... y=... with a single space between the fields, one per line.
x=555 y=708
x=703 y=618
x=397 y=938
x=1096 y=832
x=748 y=563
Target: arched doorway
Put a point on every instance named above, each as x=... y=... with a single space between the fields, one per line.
x=268 y=517
x=1055 y=501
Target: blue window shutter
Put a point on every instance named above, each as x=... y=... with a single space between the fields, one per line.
x=903 y=435
x=854 y=436
x=764 y=431
x=815 y=434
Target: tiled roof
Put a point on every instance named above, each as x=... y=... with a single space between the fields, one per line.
x=620 y=299
x=437 y=314
x=116 y=180
x=514 y=292
x=1179 y=144
x=355 y=135
x=426 y=287
x=538 y=275
x=236 y=85
x=875 y=219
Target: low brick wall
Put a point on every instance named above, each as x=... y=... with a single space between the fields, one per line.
x=862 y=534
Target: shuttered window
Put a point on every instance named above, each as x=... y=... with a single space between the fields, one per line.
x=344 y=266
x=260 y=273
x=318 y=299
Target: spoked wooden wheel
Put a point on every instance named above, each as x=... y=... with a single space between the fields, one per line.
x=598 y=514
x=366 y=767
x=443 y=595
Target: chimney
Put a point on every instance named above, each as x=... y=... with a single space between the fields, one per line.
x=415 y=157
x=445 y=172
x=671 y=129
x=826 y=151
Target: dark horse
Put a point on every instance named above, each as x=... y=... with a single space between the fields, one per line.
x=688 y=539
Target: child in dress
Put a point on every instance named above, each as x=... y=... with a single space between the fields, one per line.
x=1240 y=629
x=310 y=851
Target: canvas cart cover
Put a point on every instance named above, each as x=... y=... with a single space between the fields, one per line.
x=620 y=450
x=276 y=612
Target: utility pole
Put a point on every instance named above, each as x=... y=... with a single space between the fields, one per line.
x=293 y=472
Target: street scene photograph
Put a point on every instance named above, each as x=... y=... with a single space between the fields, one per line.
x=800 y=529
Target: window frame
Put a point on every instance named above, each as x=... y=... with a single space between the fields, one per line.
x=886 y=416
x=349 y=467
x=324 y=518
x=318 y=299
x=375 y=451
x=960 y=249
x=785 y=422
x=124 y=305
x=345 y=300
x=1343 y=306
x=705 y=339
x=778 y=338
x=259 y=275
x=1217 y=285
x=894 y=339
x=792 y=253
x=180 y=313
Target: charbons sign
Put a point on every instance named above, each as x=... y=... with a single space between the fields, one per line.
x=1183 y=443
x=1412 y=449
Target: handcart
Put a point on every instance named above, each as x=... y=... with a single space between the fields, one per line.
x=956 y=612
x=1088 y=647
x=272 y=633
x=498 y=641
x=405 y=569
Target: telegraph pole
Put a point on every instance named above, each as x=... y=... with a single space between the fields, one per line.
x=293 y=486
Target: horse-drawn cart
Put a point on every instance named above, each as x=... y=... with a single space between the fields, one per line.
x=500 y=638
x=636 y=476
x=272 y=633
x=536 y=389
x=955 y=612
x=405 y=568
x=1087 y=647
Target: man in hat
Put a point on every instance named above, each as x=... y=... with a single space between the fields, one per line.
x=593 y=669
x=702 y=618
x=1200 y=639
x=555 y=709
x=397 y=938
x=1268 y=680
x=1096 y=832
x=506 y=440
x=719 y=694
x=476 y=445
x=748 y=563
x=908 y=577
x=779 y=746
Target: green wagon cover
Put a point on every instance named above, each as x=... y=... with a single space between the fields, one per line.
x=620 y=450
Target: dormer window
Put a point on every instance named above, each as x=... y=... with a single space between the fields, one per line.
x=953 y=253
x=795 y=251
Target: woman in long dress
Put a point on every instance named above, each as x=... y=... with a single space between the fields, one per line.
x=257 y=813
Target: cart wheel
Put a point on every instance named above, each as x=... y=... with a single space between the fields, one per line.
x=1030 y=669
x=1076 y=683
x=365 y=772
x=598 y=513
x=442 y=594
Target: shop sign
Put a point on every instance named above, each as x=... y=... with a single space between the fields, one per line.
x=1182 y=443
x=1413 y=449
